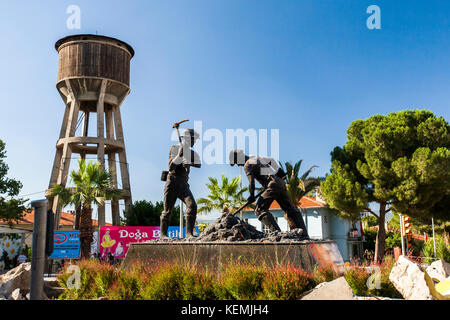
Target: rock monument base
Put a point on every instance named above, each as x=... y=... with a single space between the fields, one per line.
x=214 y=255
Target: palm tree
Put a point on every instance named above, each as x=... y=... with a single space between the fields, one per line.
x=227 y=197
x=299 y=186
x=92 y=186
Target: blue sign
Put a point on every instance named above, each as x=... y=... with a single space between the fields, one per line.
x=174 y=232
x=66 y=245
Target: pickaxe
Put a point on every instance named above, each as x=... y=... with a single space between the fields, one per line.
x=176 y=125
x=247 y=203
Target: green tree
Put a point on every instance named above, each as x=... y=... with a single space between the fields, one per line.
x=400 y=161
x=93 y=185
x=419 y=226
x=145 y=213
x=12 y=208
x=369 y=221
x=297 y=186
x=225 y=197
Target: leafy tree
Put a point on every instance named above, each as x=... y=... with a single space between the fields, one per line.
x=93 y=185
x=369 y=221
x=400 y=161
x=225 y=197
x=392 y=239
x=299 y=186
x=442 y=251
x=421 y=225
x=11 y=207
x=145 y=213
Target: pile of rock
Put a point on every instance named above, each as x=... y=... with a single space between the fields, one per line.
x=230 y=228
x=406 y=275
x=409 y=279
x=15 y=284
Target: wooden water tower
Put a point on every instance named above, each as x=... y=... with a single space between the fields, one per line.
x=93 y=79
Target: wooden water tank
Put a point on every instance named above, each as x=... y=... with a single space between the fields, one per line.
x=93 y=56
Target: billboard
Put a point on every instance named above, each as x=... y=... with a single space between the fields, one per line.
x=66 y=245
x=116 y=240
x=94 y=244
x=174 y=232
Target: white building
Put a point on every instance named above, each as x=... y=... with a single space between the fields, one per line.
x=321 y=225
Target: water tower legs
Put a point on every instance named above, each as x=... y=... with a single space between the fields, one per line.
x=79 y=101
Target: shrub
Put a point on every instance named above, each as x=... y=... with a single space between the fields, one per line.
x=324 y=274
x=165 y=284
x=286 y=283
x=387 y=289
x=95 y=277
x=237 y=281
x=370 y=236
x=241 y=282
x=393 y=239
x=356 y=278
x=198 y=285
x=442 y=251
x=127 y=287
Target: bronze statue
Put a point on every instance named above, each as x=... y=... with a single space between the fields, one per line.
x=181 y=158
x=267 y=172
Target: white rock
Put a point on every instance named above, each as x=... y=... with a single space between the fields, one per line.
x=439 y=270
x=409 y=280
x=337 y=289
x=15 y=295
x=19 y=277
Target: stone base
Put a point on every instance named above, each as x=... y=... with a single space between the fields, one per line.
x=305 y=254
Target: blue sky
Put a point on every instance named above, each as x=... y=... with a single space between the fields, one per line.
x=307 y=68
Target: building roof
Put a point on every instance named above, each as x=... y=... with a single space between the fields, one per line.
x=67 y=219
x=305 y=202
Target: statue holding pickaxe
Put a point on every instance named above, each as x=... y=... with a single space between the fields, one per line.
x=266 y=171
x=181 y=158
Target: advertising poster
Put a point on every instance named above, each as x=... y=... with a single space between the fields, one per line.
x=116 y=240
x=174 y=232
x=94 y=244
x=66 y=245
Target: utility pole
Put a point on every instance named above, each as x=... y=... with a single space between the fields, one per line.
x=38 y=249
x=434 y=238
x=401 y=234
x=181 y=219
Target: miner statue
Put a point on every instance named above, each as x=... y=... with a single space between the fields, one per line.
x=268 y=173
x=181 y=158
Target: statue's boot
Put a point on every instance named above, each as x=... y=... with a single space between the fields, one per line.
x=295 y=221
x=190 y=224
x=269 y=221
x=164 y=227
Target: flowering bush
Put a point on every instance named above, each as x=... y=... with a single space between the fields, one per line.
x=9 y=250
x=357 y=277
x=235 y=281
x=325 y=274
x=286 y=283
x=241 y=282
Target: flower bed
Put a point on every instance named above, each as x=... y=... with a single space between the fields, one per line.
x=186 y=282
